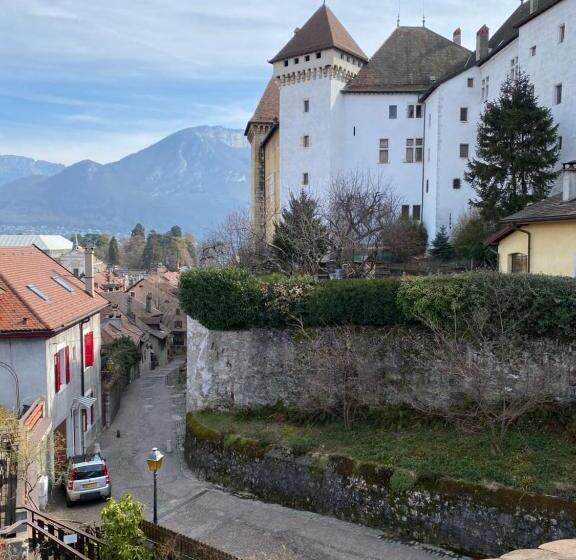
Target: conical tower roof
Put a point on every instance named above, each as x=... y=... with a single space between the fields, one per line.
x=322 y=31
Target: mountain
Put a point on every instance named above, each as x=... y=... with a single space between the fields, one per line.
x=193 y=178
x=17 y=167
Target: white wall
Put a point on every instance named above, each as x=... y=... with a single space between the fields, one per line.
x=366 y=121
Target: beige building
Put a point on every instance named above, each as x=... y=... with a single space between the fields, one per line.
x=541 y=239
x=263 y=134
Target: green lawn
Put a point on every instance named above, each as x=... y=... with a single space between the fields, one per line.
x=534 y=460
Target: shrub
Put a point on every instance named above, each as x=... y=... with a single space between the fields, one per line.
x=356 y=302
x=222 y=298
x=283 y=295
x=526 y=305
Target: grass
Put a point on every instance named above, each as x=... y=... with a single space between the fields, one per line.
x=533 y=460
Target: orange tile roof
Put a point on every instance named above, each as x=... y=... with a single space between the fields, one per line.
x=23 y=311
x=268 y=109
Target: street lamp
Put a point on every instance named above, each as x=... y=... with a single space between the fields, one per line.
x=154 y=461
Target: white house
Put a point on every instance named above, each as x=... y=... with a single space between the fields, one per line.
x=409 y=114
x=50 y=343
x=53 y=245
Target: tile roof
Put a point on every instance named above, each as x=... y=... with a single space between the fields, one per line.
x=551 y=209
x=268 y=109
x=410 y=60
x=322 y=31
x=23 y=311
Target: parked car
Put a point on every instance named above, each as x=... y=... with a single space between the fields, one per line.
x=87 y=478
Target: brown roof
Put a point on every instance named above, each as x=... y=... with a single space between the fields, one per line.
x=268 y=109
x=410 y=60
x=549 y=210
x=24 y=269
x=322 y=31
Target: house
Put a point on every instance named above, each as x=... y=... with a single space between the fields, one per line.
x=541 y=239
x=162 y=286
x=53 y=245
x=408 y=115
x=148 y=319
x=50 y=343
x=74 y=261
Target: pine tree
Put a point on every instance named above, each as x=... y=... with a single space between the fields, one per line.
x=152 y=255
x=113 y=252
x=441 y=247
x=301 y=237
x=138 y=231
x=517 y=150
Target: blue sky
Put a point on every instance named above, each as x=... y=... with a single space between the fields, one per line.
x=99 y=79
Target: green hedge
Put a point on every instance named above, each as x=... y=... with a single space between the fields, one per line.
x=228 y=299
x=222 y=298
x=356 y=302
x=531 y=305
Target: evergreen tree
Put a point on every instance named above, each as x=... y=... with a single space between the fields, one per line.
x=517 y=150
x=113 y=252
x=176 y=231
x=441 y=247
x=138 y=231
x=468 y=240
x=301 y=237
x=152 y=255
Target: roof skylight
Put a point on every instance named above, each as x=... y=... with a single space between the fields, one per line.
x=59 y=280
x=38 y=292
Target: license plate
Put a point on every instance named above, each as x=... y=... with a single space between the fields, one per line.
x=89 y=485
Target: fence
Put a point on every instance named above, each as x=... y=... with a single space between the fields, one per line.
x=179 y=547
x=8 y=482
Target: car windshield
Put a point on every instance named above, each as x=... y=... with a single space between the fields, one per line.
x=89 y=471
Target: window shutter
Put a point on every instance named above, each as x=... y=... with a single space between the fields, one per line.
x=89 y=349
x=57 y=372
x=67 y=362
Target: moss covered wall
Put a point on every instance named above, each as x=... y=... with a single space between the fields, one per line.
x=470 y=518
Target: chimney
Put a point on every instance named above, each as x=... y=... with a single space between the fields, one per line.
x=482 y=39
x=569 y=181
x=533 y=6
x=457 y=36
x=149 y=303
x=89 y=270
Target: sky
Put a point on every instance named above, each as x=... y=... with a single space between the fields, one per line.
x=99 y=79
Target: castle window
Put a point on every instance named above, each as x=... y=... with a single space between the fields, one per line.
x=405 y=211
x=464 y=114
x=285 y=63
x=470 y=82
x=558 y=94
x=562 y=33
x=456 y=183
x=307 y=58
x=306 y=141
x=306 y=105
x=514 y=69
x=414 y=149
x=305 y=179
x=416 y=213
x=318 y=55
x=296 y=61
x=559 y=142
x=414 y=111
x=384 y=150
x=427 y=185
x=464 y=150
x=533 y=50
x=393 y=111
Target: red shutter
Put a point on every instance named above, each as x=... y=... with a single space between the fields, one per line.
x=67 y=358
x=89 y=349
x=57 y=371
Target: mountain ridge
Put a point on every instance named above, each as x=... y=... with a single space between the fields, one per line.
x=193 y=178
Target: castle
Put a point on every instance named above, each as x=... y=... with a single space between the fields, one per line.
x=408 y=115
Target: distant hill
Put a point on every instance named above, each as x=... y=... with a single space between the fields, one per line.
x=192 y=178
x=17 y=167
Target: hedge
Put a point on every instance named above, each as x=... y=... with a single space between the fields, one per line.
x=356 y=302
x=529 y=305
x=532 y=305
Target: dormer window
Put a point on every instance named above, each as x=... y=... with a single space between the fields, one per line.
x=296 y=61
x=285 y=63
x=307 y=58
x=318 y=55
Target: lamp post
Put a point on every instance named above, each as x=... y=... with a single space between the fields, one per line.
x=154 y=461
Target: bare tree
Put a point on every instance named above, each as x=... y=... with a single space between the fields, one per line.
x=360 y=210
x=491 y=374
x=343 y=373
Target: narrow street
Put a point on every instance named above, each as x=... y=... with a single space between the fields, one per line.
x=152 y=412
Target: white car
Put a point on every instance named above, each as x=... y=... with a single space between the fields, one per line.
x=87 y=478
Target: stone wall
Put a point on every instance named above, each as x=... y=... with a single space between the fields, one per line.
x=469 y=518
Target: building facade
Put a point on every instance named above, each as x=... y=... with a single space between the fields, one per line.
x=409 y=114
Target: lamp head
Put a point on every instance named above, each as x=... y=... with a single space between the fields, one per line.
x=154 y=460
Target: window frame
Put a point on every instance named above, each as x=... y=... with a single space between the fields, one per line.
x=558 y=94
x=462 y=150
x=392 y=112
x=414 y=150
x=561 y=33
x=305 y=179
x=384 y=149
x=456 y=183
x=88 y=349
x=306 y=105
x=306 y=141
x=464 y=112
